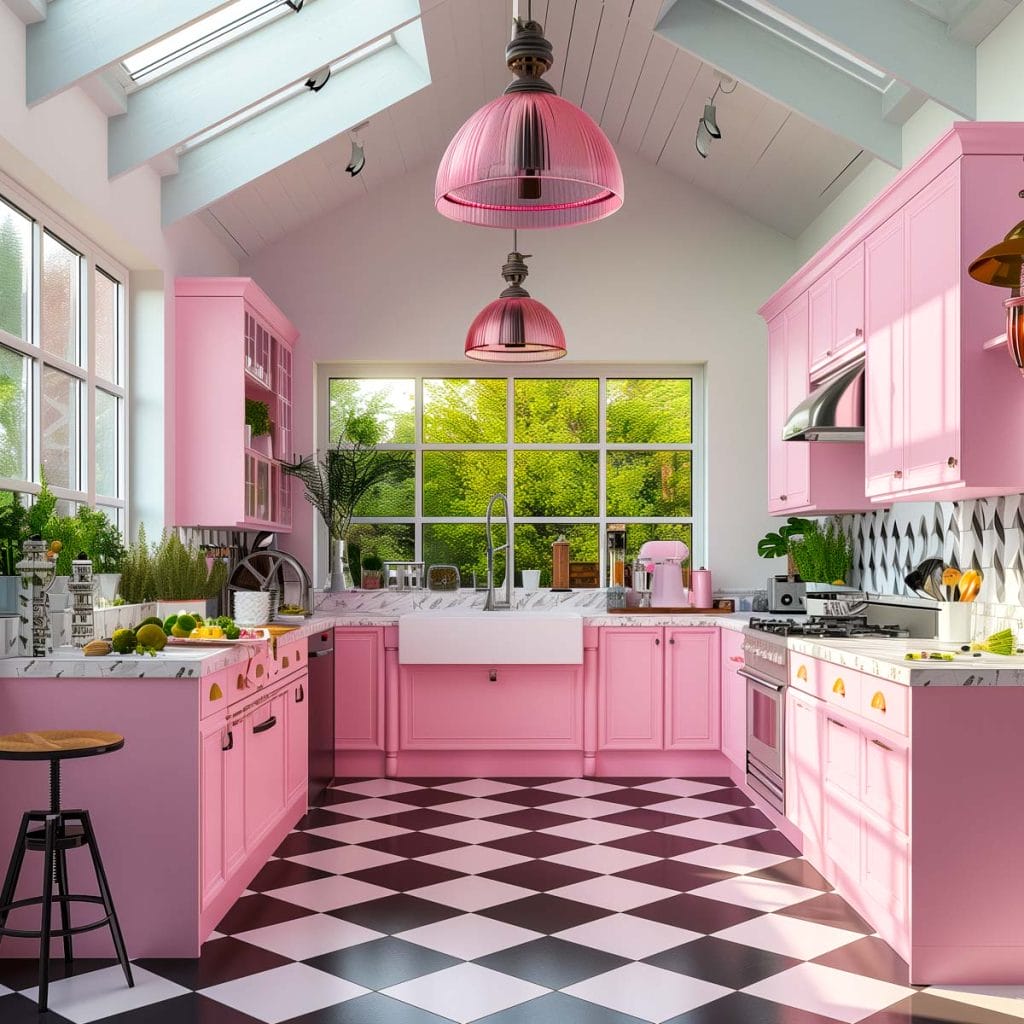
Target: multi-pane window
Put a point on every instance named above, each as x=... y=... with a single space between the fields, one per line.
x=572 y=454
x=62 y=360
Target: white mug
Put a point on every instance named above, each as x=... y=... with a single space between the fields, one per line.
x=531 y=579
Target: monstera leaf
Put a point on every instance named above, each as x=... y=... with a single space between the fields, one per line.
x=776 y=545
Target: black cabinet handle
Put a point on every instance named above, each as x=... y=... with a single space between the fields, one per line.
x=300 y=694
x=657 y=641
x=265 y=726
x=230 y=743
x=671 y=639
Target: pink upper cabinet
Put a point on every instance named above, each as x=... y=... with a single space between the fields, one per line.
x=837 y=312
x=231 y=343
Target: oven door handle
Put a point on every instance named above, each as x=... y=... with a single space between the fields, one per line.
x=777 y=687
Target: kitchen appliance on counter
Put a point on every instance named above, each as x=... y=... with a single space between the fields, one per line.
x=701 y=591
x=277 y=572
x=667 y=558
x=786 y=594
x=766 y=669
x=321 y=714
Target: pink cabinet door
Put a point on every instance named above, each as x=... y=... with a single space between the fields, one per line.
x=885 y=873
x=265 y=759
x=805 y=799
x=885 y=306
x=842 y=840
x=734 y=699
x=842 y=754
x=507 y=707
x=798 y=453
x=296 y=713
x=211 y=813
x=777 y=413
x=630 y=684
x=359 y=688
x=932 y=340
x=692 y=690
x=886 y=779
x=848 y=322
x=821 y=299
x=234 y=798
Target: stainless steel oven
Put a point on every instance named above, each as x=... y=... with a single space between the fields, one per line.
x=766 y=669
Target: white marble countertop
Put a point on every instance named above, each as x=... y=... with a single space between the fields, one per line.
x=886 y=658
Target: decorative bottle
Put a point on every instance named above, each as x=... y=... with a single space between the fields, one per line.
x=37 y=572
x=560 y=564
x=82 y=601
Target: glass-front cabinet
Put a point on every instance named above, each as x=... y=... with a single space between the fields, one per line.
x=233 y=346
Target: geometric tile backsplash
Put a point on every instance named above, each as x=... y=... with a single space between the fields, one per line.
x=979 y=533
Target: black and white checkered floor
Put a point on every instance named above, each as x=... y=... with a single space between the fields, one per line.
x=525 y=901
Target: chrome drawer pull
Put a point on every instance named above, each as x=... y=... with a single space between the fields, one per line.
x=879 y=743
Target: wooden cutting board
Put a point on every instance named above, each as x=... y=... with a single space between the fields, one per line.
x=670 y=611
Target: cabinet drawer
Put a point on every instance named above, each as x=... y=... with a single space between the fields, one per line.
x=249 y=674
x=839 y=686
x=885 y=703
x=885 y=872
x=214 y=692
x=805 y=674
x=886 y=775
x=842 y=755
x=842 y=840
x=289 y=657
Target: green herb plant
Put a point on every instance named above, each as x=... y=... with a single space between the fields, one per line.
x=180 y=572
x=373 y=563
x=257 y=416
x=823 y=554
x=13 y=516
x=137 y=570
x=777 y=545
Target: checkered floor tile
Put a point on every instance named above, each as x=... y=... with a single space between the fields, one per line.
x=532 y=901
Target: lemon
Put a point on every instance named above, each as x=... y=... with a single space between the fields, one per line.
x=151 y=636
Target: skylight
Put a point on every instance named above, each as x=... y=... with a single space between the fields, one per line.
x=202 y=37
x=285 y=94
x=759 y=12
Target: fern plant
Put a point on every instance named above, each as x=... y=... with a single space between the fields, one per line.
x=823 y=554
x=180 y=572
x=137 y=571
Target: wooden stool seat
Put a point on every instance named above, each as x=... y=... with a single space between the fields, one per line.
x=52 y=744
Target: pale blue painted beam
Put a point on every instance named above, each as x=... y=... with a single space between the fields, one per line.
x=30 y=11
x=280 y=134
x=80 y=37
x=899 y=38
x=786 y=73
x=163 y=115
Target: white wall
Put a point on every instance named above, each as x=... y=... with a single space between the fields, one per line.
x=674 y=277
x=58 y=151
x=999 y=99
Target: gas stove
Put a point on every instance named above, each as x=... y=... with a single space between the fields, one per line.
x=841 y=628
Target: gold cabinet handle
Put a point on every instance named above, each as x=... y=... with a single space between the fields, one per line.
x=259 y=671
x=284 y=661
x=878 y=701
x=216 y=692
x=835 y=721
x=241 y=681
x=879 y=743
x=801 y=673
x=839 y=687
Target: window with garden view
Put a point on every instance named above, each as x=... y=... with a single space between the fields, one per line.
x=62 y=362
x=572 y=453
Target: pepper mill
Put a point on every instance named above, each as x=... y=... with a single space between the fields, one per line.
x=560 y=564
x=37 y=573
x=82 y=601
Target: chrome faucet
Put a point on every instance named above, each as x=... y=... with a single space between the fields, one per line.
x=493 y=603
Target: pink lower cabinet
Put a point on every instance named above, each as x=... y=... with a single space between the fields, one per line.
x=734 y=699
x=212 y=774
x=631 y=673
x=805 y=796
x=296 y=716
x=266 y=753
x=510 y=707
x=692 y=688
x=359 y=700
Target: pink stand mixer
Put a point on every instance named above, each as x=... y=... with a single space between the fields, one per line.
x=667 y=557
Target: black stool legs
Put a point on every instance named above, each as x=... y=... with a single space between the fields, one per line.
x=54 y=839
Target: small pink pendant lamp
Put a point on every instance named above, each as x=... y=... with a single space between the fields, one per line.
x=529 y=159
x=515 y=328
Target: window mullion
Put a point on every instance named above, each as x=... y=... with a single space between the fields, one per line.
x=35 y=411
x=510 y=475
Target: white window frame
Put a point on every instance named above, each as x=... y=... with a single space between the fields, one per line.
x=93 y=260
x=602 y=372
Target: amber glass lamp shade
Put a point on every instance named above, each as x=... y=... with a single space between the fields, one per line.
x=1015 y=330
x=1000 y=265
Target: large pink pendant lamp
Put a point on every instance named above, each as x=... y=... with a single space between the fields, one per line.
x=515 y=328
x=529 y=159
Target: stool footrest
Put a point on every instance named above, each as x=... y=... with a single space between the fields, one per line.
x=56 y=933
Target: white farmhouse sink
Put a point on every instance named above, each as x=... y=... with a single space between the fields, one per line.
x=471 y=636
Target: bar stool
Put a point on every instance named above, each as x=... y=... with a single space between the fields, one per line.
x=54 y=839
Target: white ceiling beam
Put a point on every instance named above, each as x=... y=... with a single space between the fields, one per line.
x=973 y=20
x=30 y=11
x=900 y=102
x=106 y=91
x=80 y=37
x=174 y=108
x=242 y=154
x=785 y=72
x=899 y=38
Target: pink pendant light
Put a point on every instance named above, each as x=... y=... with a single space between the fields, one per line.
x=515 y=328
x=529 y=159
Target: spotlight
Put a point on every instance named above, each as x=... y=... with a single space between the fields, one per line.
x=357 y=161
x=703 y=140
x=707 y=126
x=295 y=5
x=318 y=79
x=710 y=120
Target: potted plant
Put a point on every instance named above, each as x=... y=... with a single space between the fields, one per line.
x=373 y=572
x=778 y=544
x=258 y=426
x=101 y=540
x=12 y=534
x=823 y=554
x=336 y=480
x=181 y=577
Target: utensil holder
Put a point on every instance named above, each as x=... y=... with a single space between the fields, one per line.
x=954 y=623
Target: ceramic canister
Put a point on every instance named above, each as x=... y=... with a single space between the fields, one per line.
x=700 y=588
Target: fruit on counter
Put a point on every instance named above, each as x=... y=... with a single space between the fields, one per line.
x=928 y=656
x=207 y=633
x=123 y=641
x=97 y=648
x=151 y=636
x=292 y=609
x=224 y=621
x=151 y=621
x=169 y=623
x=183 y=626
x=997 y=643
x=232 y=632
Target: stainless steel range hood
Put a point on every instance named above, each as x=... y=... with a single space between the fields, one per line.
x=834 y=410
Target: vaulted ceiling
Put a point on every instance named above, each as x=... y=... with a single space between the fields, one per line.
x=221 y=110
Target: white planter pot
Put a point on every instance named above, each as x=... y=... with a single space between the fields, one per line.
x=204 y=608
x=9 y=594
x=106 y=586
